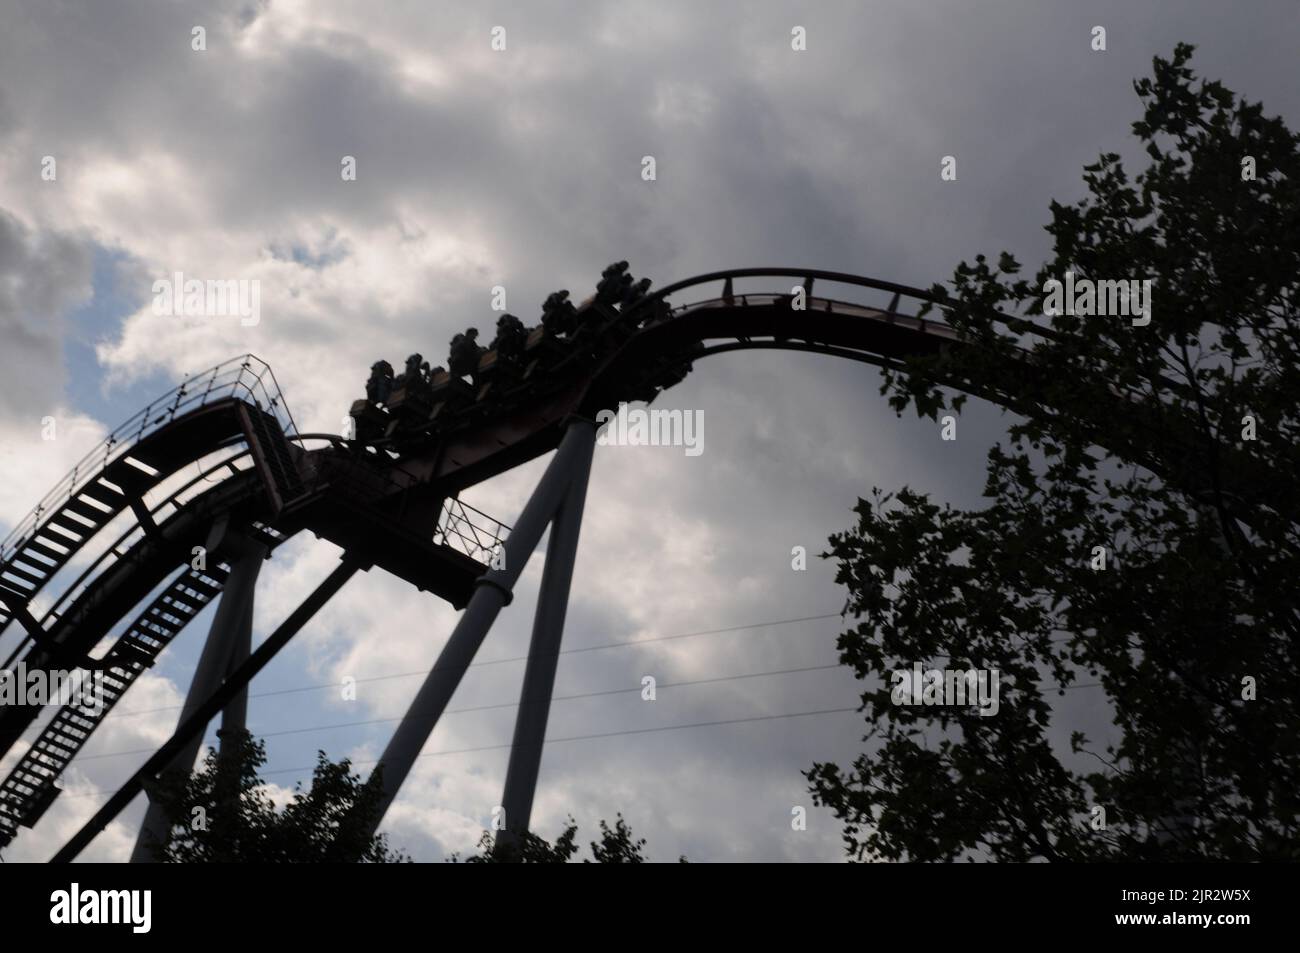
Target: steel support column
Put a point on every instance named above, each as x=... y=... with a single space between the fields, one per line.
x=195 y=724
x=234 y=613
x=234 y=717
x=493 y=590
x=543 y=659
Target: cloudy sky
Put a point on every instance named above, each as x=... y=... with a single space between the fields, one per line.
x=522 y=168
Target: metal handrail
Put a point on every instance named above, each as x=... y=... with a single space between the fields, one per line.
x=460 y=526
x=930 y=298
x=479 y=539
x=244 y=373
x=805 y=273
x=78 y=586
x=826 y=305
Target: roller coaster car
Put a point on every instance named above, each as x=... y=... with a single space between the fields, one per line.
x=408 y=408
x=621 y=329
x=371 y=422
x=450 y=394
x=652 y=312
x=498 y=365
x=498 y=374
x=644 y=391
x=608 y=314
x=594 y=320
x=407 y=402
x=673 y=370
x=542 y=347
x=674 y=374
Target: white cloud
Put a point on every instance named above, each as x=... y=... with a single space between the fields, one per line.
x=522 y=169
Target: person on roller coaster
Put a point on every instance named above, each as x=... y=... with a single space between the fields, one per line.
x=465 y=352
x=380 y=384
x=613 y=282
x=511 y=337
x=559 y=317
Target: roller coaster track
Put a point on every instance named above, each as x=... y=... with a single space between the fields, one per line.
x=388 y=496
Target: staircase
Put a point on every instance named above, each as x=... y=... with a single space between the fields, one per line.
x=30 y=789
x=168 y=433
x=62 y=532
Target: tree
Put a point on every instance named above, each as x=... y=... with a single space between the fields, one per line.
x=222 y=813
x=1140 y=538
x=616 y=846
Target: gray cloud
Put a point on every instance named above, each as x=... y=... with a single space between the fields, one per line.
x=42 y=275
x=522 y=169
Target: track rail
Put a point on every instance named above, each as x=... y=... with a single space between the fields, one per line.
x=392 y=500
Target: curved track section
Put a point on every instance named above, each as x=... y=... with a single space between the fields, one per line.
x=389 y=496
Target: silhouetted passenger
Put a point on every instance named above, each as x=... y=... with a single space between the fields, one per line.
x=511 y=336
x=415 y=380
x=558 y=314
x=465 y=353
x=634 y=293
x=380 y=384
x=610 y=287
x=412 y=375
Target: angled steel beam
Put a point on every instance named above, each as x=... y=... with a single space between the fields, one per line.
x=493 y=590
x=197 y=722
x=234 y=717
x=543 y=659
x=16 y=604
x=231 y=627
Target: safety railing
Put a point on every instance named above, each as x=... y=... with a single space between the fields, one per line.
x=201 y=483
x=470 y=531
x=917 y=297
x=247 y=376
x=906 y=304
x=368 y=479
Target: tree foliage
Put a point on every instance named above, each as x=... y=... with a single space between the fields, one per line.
x=616 y=846
x=1172 y=447
x=222 y=813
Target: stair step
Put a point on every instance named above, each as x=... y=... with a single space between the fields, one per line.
x=103 y=494
x=36 y=546
x=131 y=479
x=87 y=511
x=30 y=786
x=24 y=574
x=74 y=533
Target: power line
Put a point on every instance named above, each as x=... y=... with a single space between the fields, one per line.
x=502 y=661
x=617 y=691
x=514 y=704
x=549 y=741
x=595 y=735
x=616 y=734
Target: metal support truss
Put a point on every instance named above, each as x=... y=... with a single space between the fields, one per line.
x=229 y=640
x=543 y=658
x=558 y=497
x=193 y=726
